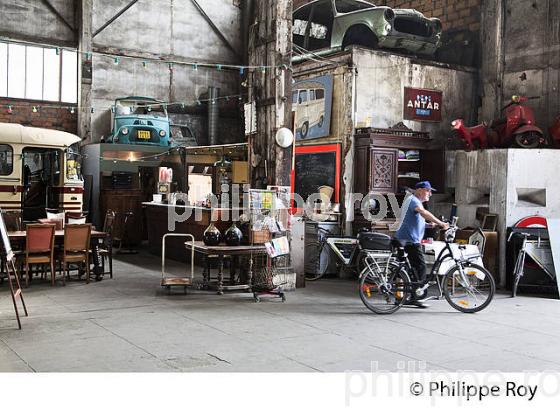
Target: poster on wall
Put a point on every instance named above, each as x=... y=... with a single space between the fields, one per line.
x=422 y=105
x=312 y=102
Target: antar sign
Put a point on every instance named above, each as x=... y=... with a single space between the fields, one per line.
x=422 y=105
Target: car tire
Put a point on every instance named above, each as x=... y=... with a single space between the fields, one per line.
x=304 y=129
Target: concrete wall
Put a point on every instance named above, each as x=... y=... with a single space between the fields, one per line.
x=380 y=91
x=512 y=183
x=170 y=30
x=32 y=20
x=150 y=29
x=522 y=56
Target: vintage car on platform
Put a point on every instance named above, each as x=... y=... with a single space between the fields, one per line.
x=340 y=23
x=140 y=120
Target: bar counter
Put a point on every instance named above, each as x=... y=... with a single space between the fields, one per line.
x=197 y=222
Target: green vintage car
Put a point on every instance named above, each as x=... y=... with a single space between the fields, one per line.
x=339 y=23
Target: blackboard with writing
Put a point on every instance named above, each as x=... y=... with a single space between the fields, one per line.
x=313 y=170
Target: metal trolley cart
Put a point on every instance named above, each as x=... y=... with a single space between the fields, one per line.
x=170 y=281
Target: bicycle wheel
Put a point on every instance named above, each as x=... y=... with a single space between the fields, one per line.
x=384 y=292
x=471 y=291
x=312 y=264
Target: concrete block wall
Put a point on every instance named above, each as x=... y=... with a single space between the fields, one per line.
x=53 y=117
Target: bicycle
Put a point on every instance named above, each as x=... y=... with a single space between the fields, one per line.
x=519 y=269
x=346 y=249
x=385 y=282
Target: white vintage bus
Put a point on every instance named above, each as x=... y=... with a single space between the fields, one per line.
x=39 y=170
x=309 y=105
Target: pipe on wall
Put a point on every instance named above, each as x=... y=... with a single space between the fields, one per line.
x=213 y=115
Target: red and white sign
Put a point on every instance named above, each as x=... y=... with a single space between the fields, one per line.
x=422 y=105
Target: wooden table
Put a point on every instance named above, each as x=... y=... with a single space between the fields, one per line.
x=222 y=251
x=18 y=238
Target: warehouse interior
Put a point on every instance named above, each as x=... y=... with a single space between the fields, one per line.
x=244 y=172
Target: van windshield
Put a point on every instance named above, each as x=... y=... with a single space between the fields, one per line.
x=140 y=108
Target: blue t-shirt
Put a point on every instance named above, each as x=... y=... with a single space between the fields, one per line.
x=412 y=223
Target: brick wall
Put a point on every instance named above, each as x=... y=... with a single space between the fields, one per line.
x=52 y=117
x=454 y=14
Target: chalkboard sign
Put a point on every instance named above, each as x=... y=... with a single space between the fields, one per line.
x=316 y=166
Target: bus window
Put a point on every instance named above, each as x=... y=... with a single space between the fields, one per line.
x=6 y=159
x=319 y=93
x=294 y=97
x=302 y=96
x=311 y=95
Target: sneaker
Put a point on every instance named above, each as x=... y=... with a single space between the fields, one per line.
x=418 y=303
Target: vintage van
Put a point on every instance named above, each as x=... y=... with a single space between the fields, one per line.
x=309 y=105
x=140 y=120
x=39 y=169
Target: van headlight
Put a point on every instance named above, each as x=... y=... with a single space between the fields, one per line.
x=162 y=133
x=124 y=131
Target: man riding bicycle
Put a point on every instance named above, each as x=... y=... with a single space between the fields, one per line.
x=410 y=233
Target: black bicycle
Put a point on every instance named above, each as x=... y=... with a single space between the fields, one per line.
x=386 y=284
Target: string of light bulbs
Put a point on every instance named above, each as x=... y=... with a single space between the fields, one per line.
x=116 y=58
x=73 y=108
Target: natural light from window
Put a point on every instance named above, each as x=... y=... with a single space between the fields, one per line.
x=38 y=73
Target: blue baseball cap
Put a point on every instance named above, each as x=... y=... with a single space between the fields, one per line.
x=424 y=185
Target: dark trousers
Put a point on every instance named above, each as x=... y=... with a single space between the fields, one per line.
x=416 y=259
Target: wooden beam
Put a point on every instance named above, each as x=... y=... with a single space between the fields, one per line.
x=116 y=16
x=57 y=14
x=85 y=68
x=270 y=45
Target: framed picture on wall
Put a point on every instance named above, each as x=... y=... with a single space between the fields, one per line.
x=316 y=166
x=312 y=104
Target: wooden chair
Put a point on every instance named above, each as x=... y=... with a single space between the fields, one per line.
x=106 y=250
x=12 y=219
x=76 y=247
x=39 y=248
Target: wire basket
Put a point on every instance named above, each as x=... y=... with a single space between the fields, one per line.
x=269 y=277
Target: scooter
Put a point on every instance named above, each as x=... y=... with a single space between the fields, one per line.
x=516 y=129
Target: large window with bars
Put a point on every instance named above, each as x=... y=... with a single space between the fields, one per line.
x=38 y=73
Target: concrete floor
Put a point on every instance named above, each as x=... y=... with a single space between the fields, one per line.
x=128 y=324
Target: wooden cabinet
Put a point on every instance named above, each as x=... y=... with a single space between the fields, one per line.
x=378 y=168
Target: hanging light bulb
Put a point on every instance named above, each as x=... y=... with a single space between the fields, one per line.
x=183 y=106
x=10 y=111
x=195 y=67
x=170 y=65
x=144 y=64
x=35 y=109
x=263 y=69
x=241 y=70
x=149 y=108
x=92 y=110
x=117 y=60
x=72 y=110
x=219 y=67
x=198 y=102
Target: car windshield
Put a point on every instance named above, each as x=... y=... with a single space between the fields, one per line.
x=346 y=6
x=138 y=107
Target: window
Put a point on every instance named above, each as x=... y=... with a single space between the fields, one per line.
x=347 y=6
x=311 y=95
x=38 y=73
x=6 y=160
x=320 y=93
x=302 y=96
